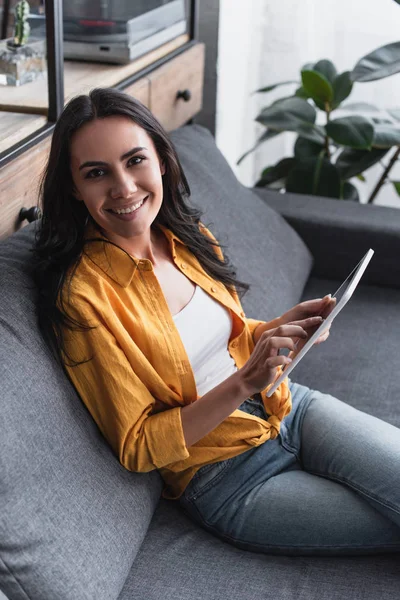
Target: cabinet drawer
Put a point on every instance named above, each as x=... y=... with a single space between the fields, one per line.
x=183 y=73
x=140 y=90
x=19 y=186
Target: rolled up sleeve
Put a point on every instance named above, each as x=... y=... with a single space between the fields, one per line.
x=119 y=402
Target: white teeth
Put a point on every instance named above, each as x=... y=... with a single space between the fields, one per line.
x=129 y=210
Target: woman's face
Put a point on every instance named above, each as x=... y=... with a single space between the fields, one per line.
x=115 y=165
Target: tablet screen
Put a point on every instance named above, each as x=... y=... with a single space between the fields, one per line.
x=342 y=295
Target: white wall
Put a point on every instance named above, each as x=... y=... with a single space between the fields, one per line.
x=266 y=41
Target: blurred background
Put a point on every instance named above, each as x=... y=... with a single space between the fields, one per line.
x=264 y=42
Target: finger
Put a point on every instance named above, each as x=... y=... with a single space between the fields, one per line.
x=278 y=361
x=322 y=338
x=275 y=343
x=309 y=307
x=284 y=331
x=309 y=322
x=328 y=308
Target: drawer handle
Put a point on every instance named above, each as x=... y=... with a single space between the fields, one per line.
x=185 y=95
x=32 y=214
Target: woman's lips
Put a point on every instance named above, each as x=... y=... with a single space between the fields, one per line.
x=128 y=216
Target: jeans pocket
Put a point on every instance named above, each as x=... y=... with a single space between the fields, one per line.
x=205 y=478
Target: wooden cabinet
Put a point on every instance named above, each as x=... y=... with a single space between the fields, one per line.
x=176 y=89
x=140 y=90
x=173 y=92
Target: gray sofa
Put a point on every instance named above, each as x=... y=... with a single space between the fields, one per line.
x=75 y=525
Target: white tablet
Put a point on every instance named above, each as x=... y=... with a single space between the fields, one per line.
x=342 y=295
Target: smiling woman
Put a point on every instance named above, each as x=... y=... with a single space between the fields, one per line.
x=171 y=369
x=117 y=174
x=110 y=155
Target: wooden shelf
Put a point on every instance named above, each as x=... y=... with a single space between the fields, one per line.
x=79 y=78
x=14 y=127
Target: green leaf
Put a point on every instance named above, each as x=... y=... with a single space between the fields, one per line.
x=380 y=63
x=396 y=185
x=276 y=173
x=352 y=162
x=361 y=177
x=386 y=136
x=398 y=1
x=349 y=192
x=326 y=68
x=267 y=135
x=305 y=148
x=316 y=176
x=342 y=87
x=287 y=111
x=356 y=132
x=317 y=86
x=301 y=93
x=293 y=114
x=269 y=88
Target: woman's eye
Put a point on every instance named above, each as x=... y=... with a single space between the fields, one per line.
x=136 y=158
x=94 y=173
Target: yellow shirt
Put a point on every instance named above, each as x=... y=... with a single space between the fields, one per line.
x=140 y=376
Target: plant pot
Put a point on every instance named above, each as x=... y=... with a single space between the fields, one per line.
x=20 y=64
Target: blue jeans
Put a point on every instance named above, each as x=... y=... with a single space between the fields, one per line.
x=328 y=484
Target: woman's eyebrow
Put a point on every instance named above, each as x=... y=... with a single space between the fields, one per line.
x=93 y=163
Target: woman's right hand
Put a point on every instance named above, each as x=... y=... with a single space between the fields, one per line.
x=260 y=370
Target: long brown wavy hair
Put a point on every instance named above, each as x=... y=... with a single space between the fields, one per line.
x=59 y=238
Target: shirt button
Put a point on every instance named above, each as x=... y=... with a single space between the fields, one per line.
x=234 y=344
x=213 y=289
x=183 y=265
x=242 y=314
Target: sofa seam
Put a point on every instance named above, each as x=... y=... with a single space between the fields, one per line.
x=15 y=579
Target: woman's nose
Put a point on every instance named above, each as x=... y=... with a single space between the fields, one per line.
x=123 y=186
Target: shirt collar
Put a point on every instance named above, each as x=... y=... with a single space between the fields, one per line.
x=116 y=262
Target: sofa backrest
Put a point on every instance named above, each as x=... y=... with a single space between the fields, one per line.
x=72 y=518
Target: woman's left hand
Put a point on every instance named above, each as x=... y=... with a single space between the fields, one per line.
x=310 y=308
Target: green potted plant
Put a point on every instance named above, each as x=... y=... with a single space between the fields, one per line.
x=22 y=59
x=326 y=156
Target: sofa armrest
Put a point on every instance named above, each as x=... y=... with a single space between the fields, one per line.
x=338 y=233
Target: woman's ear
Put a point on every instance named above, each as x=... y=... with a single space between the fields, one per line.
x=162 y=168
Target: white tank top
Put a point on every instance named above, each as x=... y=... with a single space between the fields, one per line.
x=205 y=327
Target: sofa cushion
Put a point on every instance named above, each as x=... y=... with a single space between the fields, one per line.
x=359 y=361
x=192 y=564
x=72 y=518
x=266 y=252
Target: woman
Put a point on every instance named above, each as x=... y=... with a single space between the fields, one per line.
x=140 y=307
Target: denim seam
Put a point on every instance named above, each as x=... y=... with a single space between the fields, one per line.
x=212 y=482
x=304 y=404
x=356 y=488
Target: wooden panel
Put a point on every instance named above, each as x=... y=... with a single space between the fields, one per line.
x=14 y=127
x=80 y=78
x=140 y=90
x=19 y=184
x=185 y=72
